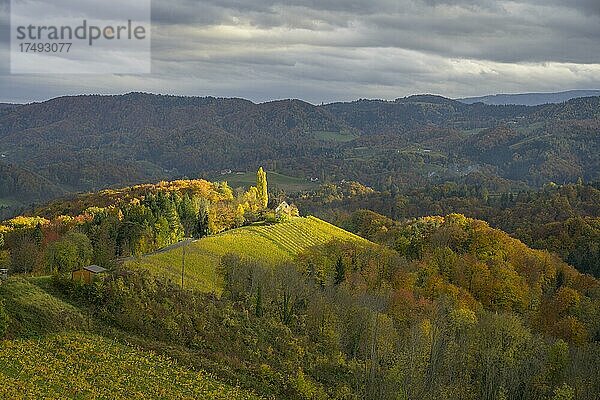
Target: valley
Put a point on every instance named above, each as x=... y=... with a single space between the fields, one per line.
x=300 y=200
x=277 y=305
x=396 y=247
x=60 y=146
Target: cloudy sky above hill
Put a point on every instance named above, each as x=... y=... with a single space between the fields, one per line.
x=328 y=50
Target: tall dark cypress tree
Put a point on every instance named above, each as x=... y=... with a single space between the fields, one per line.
x=38 y=235
x=202 y=225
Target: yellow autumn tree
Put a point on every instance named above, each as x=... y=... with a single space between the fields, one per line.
x=261 y=185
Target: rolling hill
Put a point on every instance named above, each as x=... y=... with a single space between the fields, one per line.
x=19 y=185
x=34 y=312
x=301 y=322
x=82 y=143
x=87 y=366
x=271 y=244
x=530 y=99
x=80 y=358
x=54 y=354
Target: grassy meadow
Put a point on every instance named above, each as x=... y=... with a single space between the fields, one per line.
x=330 y=136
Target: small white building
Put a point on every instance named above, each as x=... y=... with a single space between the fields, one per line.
x=286 y=209
x=283 y=207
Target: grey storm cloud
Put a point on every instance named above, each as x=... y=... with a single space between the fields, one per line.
x=584 y=6
x=325 y=50
x=479 y=29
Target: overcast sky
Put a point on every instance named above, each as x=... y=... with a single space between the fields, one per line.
x=328 y=50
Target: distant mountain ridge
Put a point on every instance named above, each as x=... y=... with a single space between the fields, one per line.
x=530 y=99
x=89 y=142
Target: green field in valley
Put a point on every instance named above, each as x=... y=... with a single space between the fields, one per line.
x=330 y=136
x=271 y=244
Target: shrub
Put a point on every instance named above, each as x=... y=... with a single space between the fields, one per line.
x=3 y=320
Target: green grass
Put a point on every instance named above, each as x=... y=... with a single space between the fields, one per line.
x=330 y=136
x=528 y=140
x=531 y=128
x=271 y=244
x=473 y=131
x=34 y=312
x=431 y=154
x=79 y=366
x=366 y=152
x=276 y=180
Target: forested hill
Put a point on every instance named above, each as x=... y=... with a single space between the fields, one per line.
x=275 y=305
x=531 y=99
x=91 y=142
x=7 y=106
x=21 y=183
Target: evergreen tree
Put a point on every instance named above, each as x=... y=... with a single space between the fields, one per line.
x=38 y=235
x=485 y=195
x=261 y=185
x=170 y=214
x=162 y=203
x=162 y=233
x=188 y=213
x=202 y=224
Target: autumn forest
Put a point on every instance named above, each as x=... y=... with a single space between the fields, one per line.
x=184 y=247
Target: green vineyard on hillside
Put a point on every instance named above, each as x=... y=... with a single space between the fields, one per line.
x=79 y=366
x=271 y=244
x=34 y=311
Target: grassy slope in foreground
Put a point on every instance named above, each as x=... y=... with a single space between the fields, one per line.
x=269 y=243
x=34 y=312
x=87 y=366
